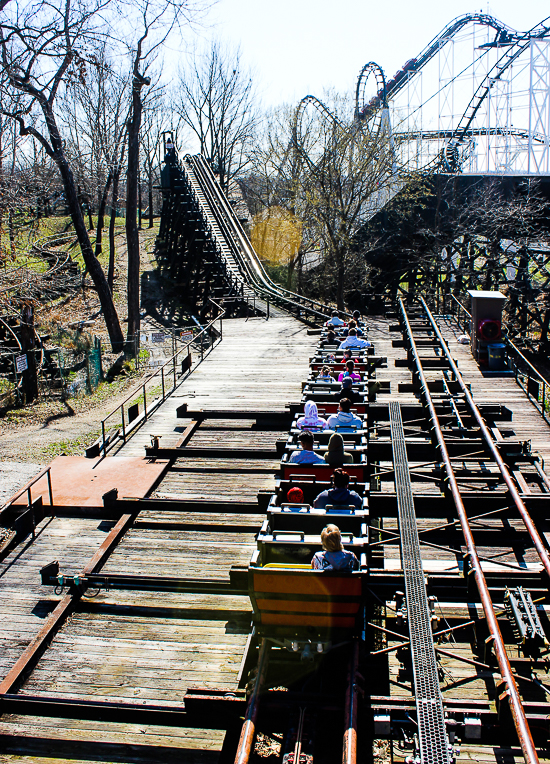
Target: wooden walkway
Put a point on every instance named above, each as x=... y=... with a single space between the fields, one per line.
x=259 y=365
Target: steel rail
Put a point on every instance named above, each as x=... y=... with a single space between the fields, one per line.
x=488 y=438
x=518 y=714
x=349 y=752
x=445 y=36
x=494 y=74
x=248 y=731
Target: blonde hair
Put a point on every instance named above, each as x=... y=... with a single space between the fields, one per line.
x=331 y=538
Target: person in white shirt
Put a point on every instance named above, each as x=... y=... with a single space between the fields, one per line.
x=353 y=341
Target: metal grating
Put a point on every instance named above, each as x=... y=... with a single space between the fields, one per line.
x=429 y=703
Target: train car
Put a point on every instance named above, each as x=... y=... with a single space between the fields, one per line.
x=304 y=609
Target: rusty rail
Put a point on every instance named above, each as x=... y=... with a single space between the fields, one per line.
x=518 y=714
x=487 y=437
x=63 y=610
x=248 y=731
x=349 y=753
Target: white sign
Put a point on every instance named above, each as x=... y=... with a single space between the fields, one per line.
x=186 y=337
x=21 y=363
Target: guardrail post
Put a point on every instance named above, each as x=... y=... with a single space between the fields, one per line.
x=29 y=502
x=50 y=492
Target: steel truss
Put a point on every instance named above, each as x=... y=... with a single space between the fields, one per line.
x=503 y=127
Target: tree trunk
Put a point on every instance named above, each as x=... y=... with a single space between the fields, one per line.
x=132 y=234
x=101 y=218
x=112 y=223
x=340 y=281
x=300 y=271
x=75 y=211
x=151 y=215
x=92 y=263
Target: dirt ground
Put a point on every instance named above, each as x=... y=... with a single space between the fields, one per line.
x=34 y=435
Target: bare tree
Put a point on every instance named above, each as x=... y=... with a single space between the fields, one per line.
x=42 y=48
x=95 y=119
x=154 y=21
x=215 y=99
x=274 y=191
x=154 y=122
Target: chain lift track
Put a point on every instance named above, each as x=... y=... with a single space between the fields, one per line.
x=434 y=748
x=235 y=247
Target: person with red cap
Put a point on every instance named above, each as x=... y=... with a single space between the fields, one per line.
x=295 y=496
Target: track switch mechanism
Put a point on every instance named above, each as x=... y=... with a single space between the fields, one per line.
x=522 y=612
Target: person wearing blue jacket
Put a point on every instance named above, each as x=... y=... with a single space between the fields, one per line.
x=339 y=493
x=306 y=455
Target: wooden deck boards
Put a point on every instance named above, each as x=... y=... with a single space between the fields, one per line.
x=259 y=365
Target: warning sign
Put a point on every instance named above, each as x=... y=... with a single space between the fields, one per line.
x=21 y=363
x=186 y=337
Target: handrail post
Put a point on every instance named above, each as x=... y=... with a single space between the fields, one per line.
x=50 y=491
x=103 y=437
x=29 y=499
x=162 y=378
x=173 y=370
x=123 y=422
x=144 y=402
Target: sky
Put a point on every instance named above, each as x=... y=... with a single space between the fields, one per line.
x=301 y=47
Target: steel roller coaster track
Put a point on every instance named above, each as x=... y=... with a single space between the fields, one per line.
x=515 y=44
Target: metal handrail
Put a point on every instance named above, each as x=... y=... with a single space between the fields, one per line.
x=462 y=309
x=141 y=390
x=27 y=489
x=530 y=383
